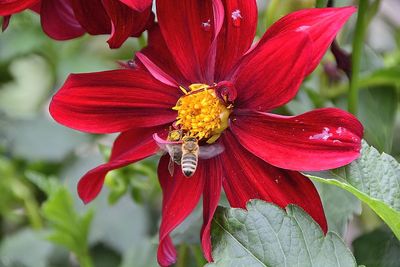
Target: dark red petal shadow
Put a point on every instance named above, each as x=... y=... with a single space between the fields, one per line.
x=92 y=16
x=125 y=21
x=129 y=147
x=138 y=5
x=113 y=101
x=58 y=20
x=180 y=197
x=317 y=140
x=237 y=34
x=271 y=76
x=248 y=177
x=322 y=24
x=6 y=22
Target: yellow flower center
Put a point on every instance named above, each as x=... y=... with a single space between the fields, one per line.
x=201 y=113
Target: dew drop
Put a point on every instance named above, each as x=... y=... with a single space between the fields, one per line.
x=236 y=18
x=131 y=64
x=206 y=26
x=336 y=141
x=340 y=130
x=321 y=136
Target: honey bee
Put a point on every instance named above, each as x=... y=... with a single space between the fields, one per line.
x=190 y=155
x=186 y=153
x=191 y=152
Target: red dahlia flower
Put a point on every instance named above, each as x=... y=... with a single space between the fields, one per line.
x=199 y=78
x=68 y=19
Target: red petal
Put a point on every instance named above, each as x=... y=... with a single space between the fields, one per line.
x=10 y=7
x=271 y=76
x=125 y=22
x=138 y=5
x=129 y=147
x=189 y=42
x=180 y=197
x=6 y=22
x=58 y=20
x=159 y=56
x=92 y=16
x=212 y=192
x=322 y=24
x=113 y=101
x=248 y=177
x=237 y=34
x=317 y=140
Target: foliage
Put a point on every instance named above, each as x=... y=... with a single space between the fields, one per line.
x=266 y=235
x=69 y=229
x=374 y=179
x=42 y=220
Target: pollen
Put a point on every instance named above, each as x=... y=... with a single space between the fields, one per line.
x=201 y=113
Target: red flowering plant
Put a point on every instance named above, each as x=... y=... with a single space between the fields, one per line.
x=201 y=87
x=68 y=19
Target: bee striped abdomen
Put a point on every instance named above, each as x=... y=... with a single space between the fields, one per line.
x=189 y=164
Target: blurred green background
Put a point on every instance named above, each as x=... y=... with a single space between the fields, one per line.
x=43 y=222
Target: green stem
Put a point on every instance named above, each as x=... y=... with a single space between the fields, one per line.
x=356 y=56
x=182 y=255
x=321 y=3
x=85 y=260
x=32 y=211
x=270 y=11
x=198 y=256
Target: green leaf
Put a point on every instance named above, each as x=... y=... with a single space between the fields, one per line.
x=378 y=118
x=375 y=179
x=266 y=235
x=25 y=248
x=339 y=206
x=70 y=229
x=378 y=248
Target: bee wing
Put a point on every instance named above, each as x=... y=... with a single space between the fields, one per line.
x=171 y=167
x=163 y=144
x=210 y=151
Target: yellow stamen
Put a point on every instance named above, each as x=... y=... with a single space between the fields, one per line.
x=201 y=113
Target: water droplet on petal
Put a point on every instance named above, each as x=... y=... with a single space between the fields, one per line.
x=131 y=64
x=236 y=18
x=340 y=130
x=206 y=26
x=302 y=28
x=325 y=135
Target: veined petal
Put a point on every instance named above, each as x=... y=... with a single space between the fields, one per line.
x=9 y=7
x=125 y=21
x=92 y=16
x=188 y=29
x=180 y=197
x=248 y=177
x=138 y=5
x=317 y=140
x=159 y=61
x=113 y=101
x=237 y=34
x=322 y=24
x=211 y=195
x=58 y=20
x=129 y=147
x=271 y=76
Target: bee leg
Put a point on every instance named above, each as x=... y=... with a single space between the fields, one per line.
x=171 y=166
